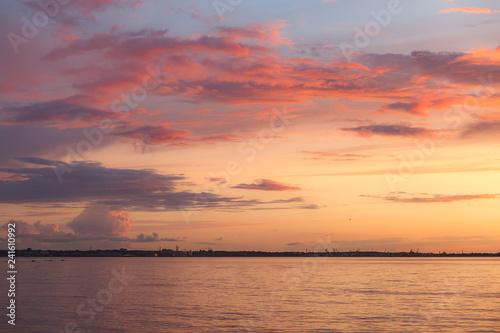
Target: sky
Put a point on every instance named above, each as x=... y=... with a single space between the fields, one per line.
x=251 y=125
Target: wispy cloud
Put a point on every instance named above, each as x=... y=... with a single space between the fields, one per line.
x=390 y=130
x=403 y=197
x=467 y=10
x=267 y=185
x=481 y=128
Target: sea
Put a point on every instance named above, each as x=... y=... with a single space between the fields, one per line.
x=314 y=294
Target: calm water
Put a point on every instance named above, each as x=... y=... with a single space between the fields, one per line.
x=258 y=295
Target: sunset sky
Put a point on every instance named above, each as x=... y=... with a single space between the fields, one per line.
x=251 y=125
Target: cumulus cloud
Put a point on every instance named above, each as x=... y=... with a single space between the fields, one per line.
x=46 y=229
x=22 y=227
x=98 y=220
x=40 y=231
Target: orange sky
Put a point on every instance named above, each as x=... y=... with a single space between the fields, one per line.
x=257 y=126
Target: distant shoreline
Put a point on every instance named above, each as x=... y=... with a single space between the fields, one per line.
x=210 y=253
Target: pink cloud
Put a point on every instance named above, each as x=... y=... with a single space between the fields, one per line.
x=403 y=197
x=467 y=10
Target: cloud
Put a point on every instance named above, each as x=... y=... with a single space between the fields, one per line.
x=338 y=157
x=267 y=185
x=211 y=243
x=466 y=10
x=120 y=189
x=242 y=66
x=416 y=109
x=98 y=220
x=146 y=42
x=269 y=33
x=55 y=111
x=155 y=135
x=218 y=138
x=22 y=227
x=81 y=181
x=77 y=13
x=40 y=231
x=142 y=238
x=30 y=139
x=481 y=128
x=294 y=244
x=390 y=130
x=403 y=197
x=96 y=223
x=46 y=229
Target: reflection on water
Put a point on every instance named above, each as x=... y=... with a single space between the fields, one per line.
x=258 y=295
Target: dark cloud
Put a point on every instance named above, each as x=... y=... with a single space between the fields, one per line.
x=267 y=185
x=29 y=140
x=294 y=244
x=155 y=135
x=55 y=111
x=81 y=181
x=457 y=67
x=481 y=128
x=390 y=130
x=133 y=190
x=411 y=108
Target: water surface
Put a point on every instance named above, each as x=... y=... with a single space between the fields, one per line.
x=258 y=295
